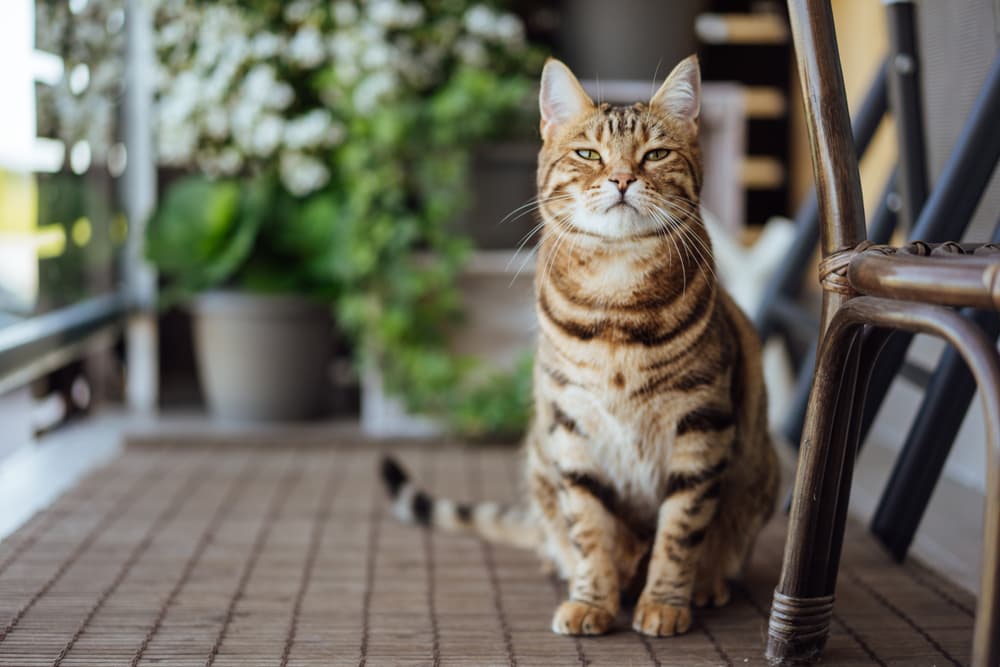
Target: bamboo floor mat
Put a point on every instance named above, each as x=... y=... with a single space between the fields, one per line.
x=285 y=555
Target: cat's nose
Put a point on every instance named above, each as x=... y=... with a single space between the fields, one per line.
x=623 y=179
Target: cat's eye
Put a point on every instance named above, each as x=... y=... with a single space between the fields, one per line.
x=656 y=155
x=588 y=154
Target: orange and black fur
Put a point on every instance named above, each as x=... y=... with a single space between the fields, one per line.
x=649 y=462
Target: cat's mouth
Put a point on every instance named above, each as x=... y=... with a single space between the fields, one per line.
x=621 y=202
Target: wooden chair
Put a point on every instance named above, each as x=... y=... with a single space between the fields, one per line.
x=869 y=291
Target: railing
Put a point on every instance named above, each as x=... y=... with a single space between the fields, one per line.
x=37 y=345
x=103 y=291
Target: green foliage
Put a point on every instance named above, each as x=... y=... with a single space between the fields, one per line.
x=377 y=240
x=201 y=234
x=497 y=407
x=209 y=233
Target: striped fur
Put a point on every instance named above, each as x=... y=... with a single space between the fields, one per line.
x=649 y=441
x=493 y=521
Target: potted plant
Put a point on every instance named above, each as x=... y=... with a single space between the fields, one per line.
x=325 y=147
x=261 y=322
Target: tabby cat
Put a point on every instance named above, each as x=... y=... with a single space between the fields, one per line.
x=648 y=459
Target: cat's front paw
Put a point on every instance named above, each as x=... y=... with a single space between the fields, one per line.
x=660 y=620
x=580 y=618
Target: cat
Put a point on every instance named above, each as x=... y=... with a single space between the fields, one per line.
x=648 y=459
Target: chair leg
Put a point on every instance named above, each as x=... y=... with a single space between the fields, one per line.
x=986 y=637
x=871 y=342
x=803 y=601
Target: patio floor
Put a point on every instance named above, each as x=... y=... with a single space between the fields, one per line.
x=226 y=553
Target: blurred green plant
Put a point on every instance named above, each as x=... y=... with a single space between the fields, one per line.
x=362 y=217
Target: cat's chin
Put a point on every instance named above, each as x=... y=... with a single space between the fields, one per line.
x=616 y=223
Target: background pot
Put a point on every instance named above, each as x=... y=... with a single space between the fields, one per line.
x=592 y=34
x=262 y=357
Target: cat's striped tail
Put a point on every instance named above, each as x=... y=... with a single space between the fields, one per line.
x=492 y=521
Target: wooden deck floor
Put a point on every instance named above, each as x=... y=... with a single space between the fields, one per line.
x=210 y=553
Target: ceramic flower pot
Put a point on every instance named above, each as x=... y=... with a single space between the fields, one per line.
x=262 y=358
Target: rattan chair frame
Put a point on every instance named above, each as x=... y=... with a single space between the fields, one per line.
x=869 y=291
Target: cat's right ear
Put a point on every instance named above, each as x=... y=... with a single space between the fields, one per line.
x=561 y=98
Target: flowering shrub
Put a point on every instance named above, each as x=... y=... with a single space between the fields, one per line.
x=340 y=135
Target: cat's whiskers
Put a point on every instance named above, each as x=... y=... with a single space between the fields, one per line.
x=692 y=241
x=704 y=253
x=522 y=242
x=524 y=263
x=680 y=203
x=663 y=231
x=532 y=205
x=564 y=233
x=534 y=251
x=664 y=219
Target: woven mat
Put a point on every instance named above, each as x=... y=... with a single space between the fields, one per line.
x=279 y=555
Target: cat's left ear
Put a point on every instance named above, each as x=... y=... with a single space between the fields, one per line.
x=680 y=94
x=561 y=97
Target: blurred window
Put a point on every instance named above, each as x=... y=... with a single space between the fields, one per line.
x=61 y=226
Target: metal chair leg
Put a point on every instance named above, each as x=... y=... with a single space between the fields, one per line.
x=871 y=341
x=803 y=601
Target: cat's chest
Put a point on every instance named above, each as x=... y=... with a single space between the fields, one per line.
x=627 y=441
x=607 y=280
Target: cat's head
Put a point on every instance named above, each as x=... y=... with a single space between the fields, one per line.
x=620 y=172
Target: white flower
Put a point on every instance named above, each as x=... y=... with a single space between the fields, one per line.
x=348 y=73
x=510 y=30
x=219 y=83
x=394 y=15
x=345 y=13
x=372 y=90
x=171 y=34
x=479 y=20
x=267 y=135
x=264 y=45
x=258 y=82
x=305 y=131
x=226 y=162
x=412 y=15
x=302 y=174
x=219 y=25
x=230 y=161
x=177 y=143
x=312 y=129
x=344 y=48
x=306 y=48
x=299 y=10
x=281 y=95
x=378 y=55
x=261 y=87
x=223 y=91
x=470 y=51
x=243 y=118
x=369 y=32
x=216 y=123
x=382 y=12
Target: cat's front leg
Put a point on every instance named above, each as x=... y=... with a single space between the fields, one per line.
x=690 y=502
x=593 y=584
